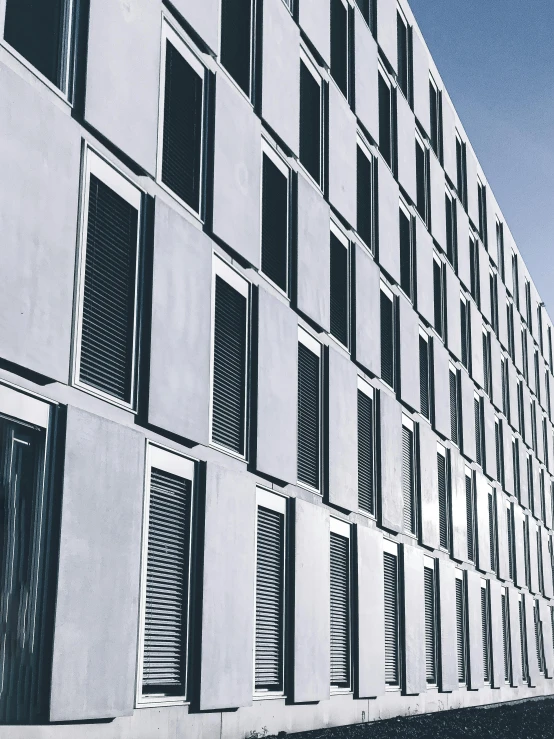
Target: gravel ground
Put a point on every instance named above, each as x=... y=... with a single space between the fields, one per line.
x=531 y=719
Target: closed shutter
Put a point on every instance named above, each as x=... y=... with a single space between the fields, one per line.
x=437 y=292
x=453 y=406
x=387 y=340
x=366 y=494
x=236 y=41
x=269 y=599
x=552 y=622
x=275 y=198
x=108 y=319
x=470 y=525
x=460 y=631
x=478 y=444
x=486 y=364
x=339 y=289
x=164 y=661
x=443 y=500
x=340 y=611
x=523 y=643
x=229 y=373
x=385 y=143
x=485 y=635
x=464 y=331
x=310 y=122
x=492 y=531
x=510 y=530
x=424 y=377
x=505 y=645
x=392 y=672
x=364 y=177
x=408 y=479
x=182 y=128
x=405 y=253
x=498 y=451
x=308 y=416
x=430 y=627
x=339 y=47
x=538 y=638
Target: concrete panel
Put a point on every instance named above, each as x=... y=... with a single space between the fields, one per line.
x=277 y=388
x=96 y=620
x=313 y=18
x=453 y=320
x=311 y=593
x=442 y=389
x=485 y=291
x=476 y=345
x=39 y=194
x=342 y=156
x=386 y=31
x=472 y=204
x=123 y=74
x=371 y=613
x=313 y=297
x=489 y=465
x=428 y=482
x=459 y=506
x=281 y=72
x=502 y=535
x=533 y=556
x=546 y=620
x=515 y=637
x=237 y=167
x=424 y=260
x=438 y=206
x=389 y=234
x=414 y=620
x=496 y=373
x=421 y=80
x=391 y=462
x=508 y=459
x=468 y=416
x=367 y=348
x=343 y=431
x=497 y=676
x=405 y=123
x=502 y=314
x=409 y=351
x=449 y=138
x=546 y=563
x=482 y=515
x=226 y=679
x=462 y=230
x=534 y=674
x=476 y=679
x=447 y=627
x=366 y=79
x=179 y=389
x=520 y=550
x=204 y=18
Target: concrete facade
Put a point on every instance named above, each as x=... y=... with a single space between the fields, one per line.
x=99 y=450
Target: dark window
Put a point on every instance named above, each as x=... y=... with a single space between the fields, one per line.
x=392 y=630
x=369 y=11
x=408 y=481
x=340 y=611
x=511 y=336
x=444 y=513
x=520 y=409
x=526 y=549
x=482 y=204
x=403 y=49
x=515 y=279
x=550 y=346
x=499 y=450
x=310 y=123
x=438 y=294
x=422 y=181
x=505 y=637
x=430 y=627
x=236 y=41
x=487 y=381
x=460 y=630
x=474 y=270
x=385 y=120
x=538 y=638
x=524 y=355
x=477 y=407
x=461 y=177
x=229 y=378
x=537 y=376
x=511 y=541
x=523 y=641
x=435 y=117
x=493 y=287
x=451 y=250
x=108 y=309
x=485 y=630
x=339 y=290
x=528 y=310
x=547 y=389
x=464 y=328
x=530 y=482
x=309 y=380
x=339 y=45
x=406 y=255
x=500 y=249
x=470 y=519
x=275 y=223
x=453 y=377
x=182 y=128
x=504 y=372
x=366 y=454
x=539 y=561
x=424 y=378
x=492 y=532
x=387 y=339
x=515 y=463
x=540 y=328
x=365 y=196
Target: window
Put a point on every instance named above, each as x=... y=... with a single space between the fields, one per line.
x=408 y=476
x=43 y=33
x=545 y=442
x=470 y=513
x=368 y=9
x=461 y=172
x=309 y=410
x=451 y=230
x=523 y=640
x=107 y=307
x=520 y=409
x=550 y=346
x=504 y=374
x=311 y=120
x=511 y=540
x=542 y=496
x=180 y=164
x=534 y=426
x=366 y=196
x=538 y=637
x=511 y=335
x=166 y=577
x=540 y=570
x=270 y=592
x=547 y=390
x=485 y=629
x=392 y=615
x=386 y=124
x=540 y=326
x=493 y=286
x=537 y=375
x=526 y=550
x=479 y=436
x=388 y=336
x=506 y=635
x=500 y=249
x=230 y=359
x=461 y=632
x=366 y=448
x=499 y=447
x=422 y=181
x=290 y=5
x=493 y=528
x=435 y=103
x=454 y=404
x=515 y=279
x=340 y=286
x=444 y=498
x=424 y=376
x=339 y=44
x=404 y=53
x=515 y=463
x=275 y=218
x=551 y=552
x=524 y=355
x=237 y=21
x=530 y=483
x=430 y=622
x=474 y=270
x=465 y=332
x=487 y=375
x=438 y=295
x=406 y=252
x=340 y=605
x=482 y=205
x=528 y=311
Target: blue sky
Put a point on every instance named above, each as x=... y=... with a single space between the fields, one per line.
x=496 y=58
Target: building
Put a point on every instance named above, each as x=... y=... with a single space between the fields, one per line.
x=276 y=422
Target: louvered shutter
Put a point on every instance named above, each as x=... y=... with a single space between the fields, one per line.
x=443 y=500
x=464 y=332
x=510 y=530
x=552 y=622
x=366 y=493
x=310 y=123
x=364 y=175
x=478 y=444
x=538 y=638
x=497 y=443
x=387 y=340
x=453 y=406
x=167 y=567
x=339 y=290
x=492 y=532
x=229 y=372
x=424 y=377
x=460 y=631
x=391 y=619
x=437 y=293
x=108 y=313
x=269 y=600
x=236 y=41
x=430 y=630
x=408 y=479
x=485 y=635
x=182 y=128
x=505 y=637
x=523 y=643
x=486 y=364
x=470 y=521
x=275 y=197
x=308 y=416
x=340 y=611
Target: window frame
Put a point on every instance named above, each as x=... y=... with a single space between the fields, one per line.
x=438 y=132
x=485 y=586
x=450 y=199
x=439 y=261
x=368 y=390
x=252 y=67
x=371 y=155
x=343 y=528
x=461 y=169
x=465 y=335
x=391 y=84
x=337 y=231
x=453 y=370
x=408 y=94
x=429 y=564
x=404 y=209
x=410 y=425
x=313 y=345
x=459 y=575
x=482 y=211
x=391 y=547
x=507 y=647
x=312 y=68
x=426 y=217
x=348 y=51
x=387 y=291
x=442 y=451
x=426 y=338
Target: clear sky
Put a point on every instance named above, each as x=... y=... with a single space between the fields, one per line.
x=496 y=59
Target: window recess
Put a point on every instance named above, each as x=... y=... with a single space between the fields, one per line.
x=275 y=218
x=309 y=410
x=408 y=477
x=339 y=45
x=422 y=181
x=438 y=295
x=365 y=174
x=435 y=109
x=392 y=615
x=311 y=119
x=386 y=118
x=388 y=336
x=451 y=231
x=366 y=448
x=461 y=630
x=470 y=514
x=506 y=650
x=424 y=375
x=406 y=252
x=404 y=55
x=340 y=600
x=431 y=668
x=340 y=286
x=485 y=632
x=237 y=23
x=444 y=498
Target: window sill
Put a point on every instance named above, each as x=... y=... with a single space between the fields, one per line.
x=151 y=702
x=309 y=488
x=189 y=209
x=13 y=54
x=229 y=452
x=130 y=407
x=270 y=282
x=341 y=691
x=310 y=178
x=269 y=696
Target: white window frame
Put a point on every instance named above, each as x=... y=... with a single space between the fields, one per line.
x=391 y=547
x=227 y=273
x=174 y=462
x=404 y=20
x=459 y=575
x=315 y=347
x=403 y=206
x=312 y=68
x=429 y=563
x=343 y=528
x=369 y=391
x=424 y=146
x=343 y=238
x=390 y=82
x=370 y=154
x=384 y=288
x=409 y=424
x=441 y=449
x=117 y=181
x=453 y=369
x=438 y=91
